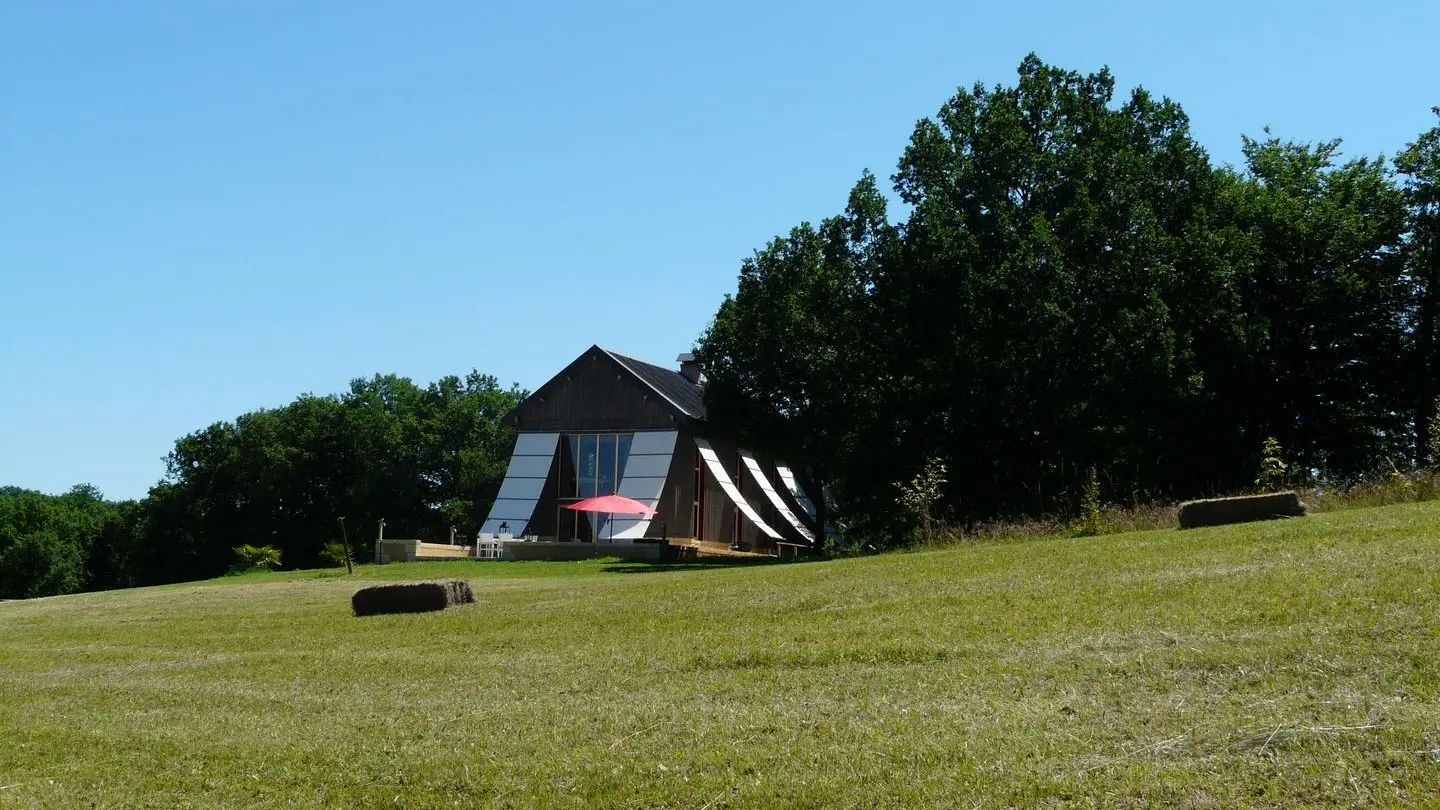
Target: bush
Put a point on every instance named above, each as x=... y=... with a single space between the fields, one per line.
x=250 y=558
x=1091 y=522
x=1272 y=473
x=337 y=554
x=1435 y=436
x=920 y=499
x=40 y=564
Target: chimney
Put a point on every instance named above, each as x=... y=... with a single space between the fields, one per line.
x=689 y=369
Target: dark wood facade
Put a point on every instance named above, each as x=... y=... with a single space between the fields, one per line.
x=595 y=393
x=693 y=504
x=603 y=393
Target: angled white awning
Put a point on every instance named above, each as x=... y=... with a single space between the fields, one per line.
x=712 y=462
x=642 y=479
x=524 y=480
x=787 y=477
x=774 y=497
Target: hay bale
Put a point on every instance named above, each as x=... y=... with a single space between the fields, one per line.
x=459 y=592
x=411 y=597
x=1241 y=509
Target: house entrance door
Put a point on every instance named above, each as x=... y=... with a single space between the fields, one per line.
x=573 y=526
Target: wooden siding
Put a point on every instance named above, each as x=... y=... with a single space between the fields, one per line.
x=594 y=394
x=678 y=496
x=723 y=516
x=674 y=508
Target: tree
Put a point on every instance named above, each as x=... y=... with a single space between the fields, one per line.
x=1054 y=250
x=1419 y=166
x=46 y=540
x=421 y=458
x=1325 y=295
x=785 y=357
x=1076 y=287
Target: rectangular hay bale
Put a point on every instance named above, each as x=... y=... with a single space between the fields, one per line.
x=411 y=597
x=1240 y=509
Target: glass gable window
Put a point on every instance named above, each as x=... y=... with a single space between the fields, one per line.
x=591 y=464
x=595 y=464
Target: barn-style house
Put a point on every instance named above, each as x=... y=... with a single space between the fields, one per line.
x=610 y=424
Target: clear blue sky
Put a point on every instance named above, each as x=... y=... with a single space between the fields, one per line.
x=207 y=207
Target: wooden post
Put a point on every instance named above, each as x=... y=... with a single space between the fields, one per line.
x=345 y=538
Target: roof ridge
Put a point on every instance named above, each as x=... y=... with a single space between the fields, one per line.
x=625 y=357
x=629 y=364
x=625 y=360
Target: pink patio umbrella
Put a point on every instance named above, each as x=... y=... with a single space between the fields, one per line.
x=613 y=504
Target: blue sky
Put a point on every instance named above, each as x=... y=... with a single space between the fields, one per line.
x=207 y=208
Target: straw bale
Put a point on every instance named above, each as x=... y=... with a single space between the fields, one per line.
x=411 y=597
x=1241 y=509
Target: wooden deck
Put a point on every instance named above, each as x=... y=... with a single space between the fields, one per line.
x=713 y=548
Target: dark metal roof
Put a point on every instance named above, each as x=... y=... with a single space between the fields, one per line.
x=668 y=383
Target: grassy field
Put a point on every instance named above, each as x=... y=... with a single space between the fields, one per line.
x=1287 y=664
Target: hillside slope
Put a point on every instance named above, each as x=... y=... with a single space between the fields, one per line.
x=1273 y=665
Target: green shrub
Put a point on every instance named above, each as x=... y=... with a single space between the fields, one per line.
x=1090 y=517
x=337 y=554
x=249 y=558
x=920 y=499
x=1435 y=436
x=1273 y=469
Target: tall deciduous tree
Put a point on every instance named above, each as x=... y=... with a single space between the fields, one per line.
x=424 y=459
x=1324 y=289
x=785 y=357
x=46 y=540
x=1075 y=286
x=1051 y=258
x=1419 y=167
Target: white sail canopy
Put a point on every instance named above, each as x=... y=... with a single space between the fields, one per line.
x=771 y=495
x=712 y=462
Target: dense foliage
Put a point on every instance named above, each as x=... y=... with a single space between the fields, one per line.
x=1075 y=287
x=424 y=459
x=1076 y=304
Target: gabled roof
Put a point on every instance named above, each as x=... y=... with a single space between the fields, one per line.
x=662 y=397
x=671 y=385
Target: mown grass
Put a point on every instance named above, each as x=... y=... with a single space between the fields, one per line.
x=1287 y=664
x=1416 y=486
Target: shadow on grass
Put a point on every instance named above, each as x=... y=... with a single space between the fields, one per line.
x=640 y=567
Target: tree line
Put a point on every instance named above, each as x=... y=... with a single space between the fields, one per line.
x=1074 y=292
x=424 y=459
x=1073 y=288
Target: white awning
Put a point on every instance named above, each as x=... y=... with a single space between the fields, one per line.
x=787 y=477
x=774 y=497
x=524 y=480
x=642 y=479
x=732 y=492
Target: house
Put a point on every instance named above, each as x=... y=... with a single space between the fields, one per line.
x=611 y=424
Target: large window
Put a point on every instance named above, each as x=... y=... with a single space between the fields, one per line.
x=591 y=464
x=597 y=462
